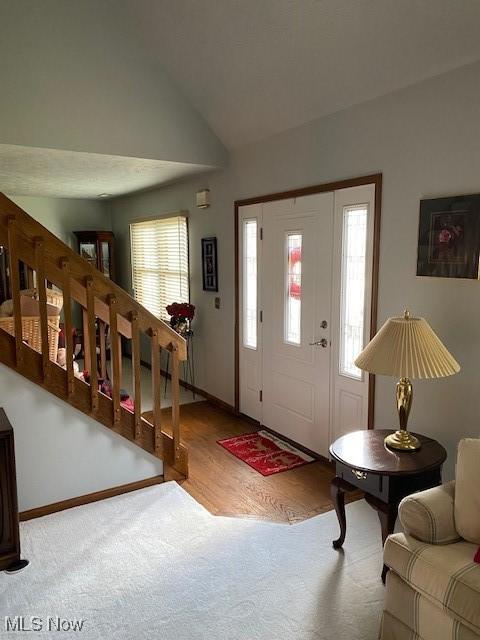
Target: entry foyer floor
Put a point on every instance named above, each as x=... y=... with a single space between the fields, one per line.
x=227 y=486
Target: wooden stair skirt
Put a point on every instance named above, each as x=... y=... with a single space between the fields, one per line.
x=104 y=305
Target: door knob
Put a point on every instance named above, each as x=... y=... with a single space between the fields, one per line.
x=319 y=343
x=324 y=324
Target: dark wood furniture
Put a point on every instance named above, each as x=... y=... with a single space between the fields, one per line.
x=9 y=530
x=363 y=461
x=97 y=247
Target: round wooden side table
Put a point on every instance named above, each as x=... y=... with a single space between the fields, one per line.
x=363 y=461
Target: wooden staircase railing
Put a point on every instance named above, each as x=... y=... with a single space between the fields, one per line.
x=102 y=302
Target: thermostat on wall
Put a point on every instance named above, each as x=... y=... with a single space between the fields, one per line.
x=203 y=198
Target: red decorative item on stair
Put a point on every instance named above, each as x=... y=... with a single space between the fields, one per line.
x=477 y=556
x=265 y=453
x=181 y=315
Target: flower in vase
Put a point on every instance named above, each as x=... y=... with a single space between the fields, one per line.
x=181 y=314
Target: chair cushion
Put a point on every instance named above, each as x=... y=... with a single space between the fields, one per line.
x=467 y=494
x=428 y=515
x=406 y=610
x=445 y=574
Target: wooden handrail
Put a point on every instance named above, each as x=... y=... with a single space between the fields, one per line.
x=26 y=229
x=102 y=301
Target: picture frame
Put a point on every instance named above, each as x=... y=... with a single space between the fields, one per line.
x=449 y=237
x=209 y=264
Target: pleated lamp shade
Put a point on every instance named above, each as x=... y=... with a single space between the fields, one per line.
x=407 y=347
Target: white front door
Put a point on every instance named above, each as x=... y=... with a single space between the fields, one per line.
x=305 y=274
x=297 y=279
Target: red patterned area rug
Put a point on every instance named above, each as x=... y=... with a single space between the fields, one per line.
x=265 y=453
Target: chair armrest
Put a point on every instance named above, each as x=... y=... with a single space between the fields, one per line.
x=429 y=515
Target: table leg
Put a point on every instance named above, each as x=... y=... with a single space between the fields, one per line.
x=387 y=520
x=387 y=514
x=338 y=499
x=338 y=487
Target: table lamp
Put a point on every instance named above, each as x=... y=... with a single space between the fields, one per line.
x=408 y=348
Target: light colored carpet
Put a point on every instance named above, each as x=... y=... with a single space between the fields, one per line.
x=154 y=564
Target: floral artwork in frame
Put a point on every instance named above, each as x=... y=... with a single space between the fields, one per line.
x=449 y=237
x=209 y=264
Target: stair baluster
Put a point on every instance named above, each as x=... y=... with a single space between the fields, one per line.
x=176 y=402
x=102 y=336
x=157 y=393
x=115 y=356
x=92 y=343
x=15 y=285
x=68 y=325
x=42 y=303
x=136 y=369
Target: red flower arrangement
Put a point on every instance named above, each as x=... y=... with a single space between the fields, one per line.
x=182 y=310
x=181 y=315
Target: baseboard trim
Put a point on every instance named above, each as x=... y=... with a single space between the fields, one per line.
x=46 y=510
x=221 y=404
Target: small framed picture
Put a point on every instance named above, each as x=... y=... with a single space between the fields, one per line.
x=209 y=264
x=449 y=237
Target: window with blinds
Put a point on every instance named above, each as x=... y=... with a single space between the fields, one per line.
x=159 y=250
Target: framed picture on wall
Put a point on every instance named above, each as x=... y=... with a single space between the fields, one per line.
x=209 y=264
x=449 y=237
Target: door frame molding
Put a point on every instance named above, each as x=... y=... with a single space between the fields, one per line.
x=376 y=180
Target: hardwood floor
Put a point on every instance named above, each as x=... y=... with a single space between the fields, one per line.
x=227 y=486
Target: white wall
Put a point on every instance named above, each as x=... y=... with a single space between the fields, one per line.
x=63 y=216
x=425 y=141
x=73 y=84
x=62 y=453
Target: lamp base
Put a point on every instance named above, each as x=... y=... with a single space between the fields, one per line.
x=403 y=440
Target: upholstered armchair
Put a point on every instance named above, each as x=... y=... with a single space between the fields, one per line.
x=433 y=586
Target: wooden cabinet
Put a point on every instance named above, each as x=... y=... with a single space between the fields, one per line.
x=9 y=529
x=97 y=247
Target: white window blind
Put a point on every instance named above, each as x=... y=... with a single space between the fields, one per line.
x=159 y=250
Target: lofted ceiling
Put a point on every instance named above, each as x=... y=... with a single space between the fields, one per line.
x=254 y=68
x=113 y=96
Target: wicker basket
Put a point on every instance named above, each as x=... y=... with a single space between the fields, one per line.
x=53 y=297
x=31 y=332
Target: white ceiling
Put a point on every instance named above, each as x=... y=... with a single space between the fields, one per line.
x=69 y=174
x=257 y=67
x=250 y=68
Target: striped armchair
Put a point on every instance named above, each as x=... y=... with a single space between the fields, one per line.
x=433 y=586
